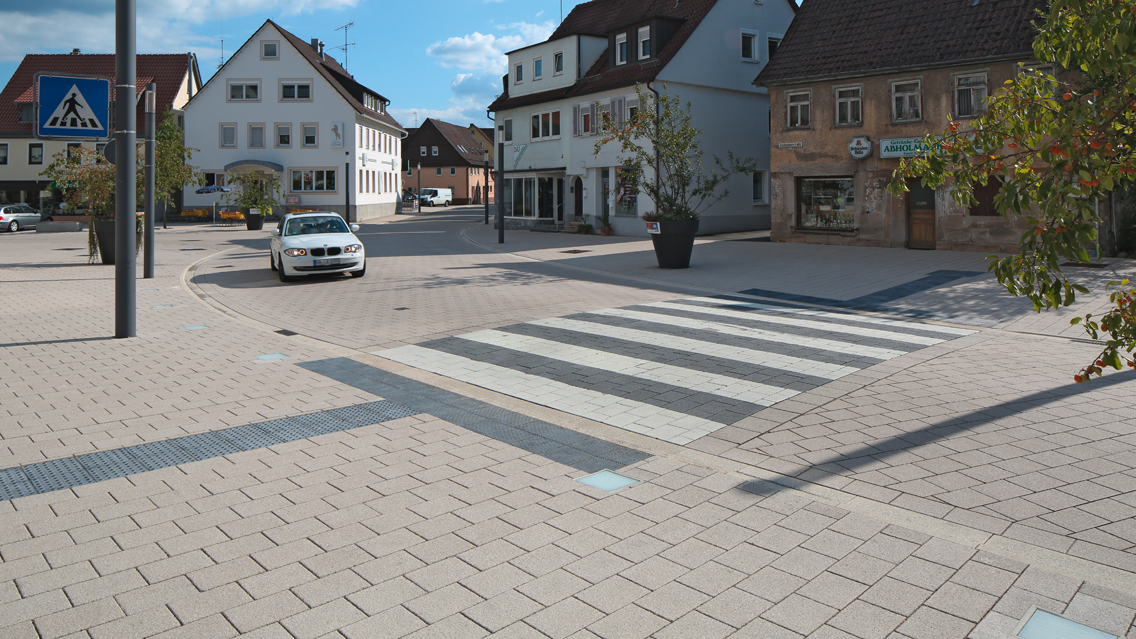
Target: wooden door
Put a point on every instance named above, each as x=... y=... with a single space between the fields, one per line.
x=920 y=216
x=578 y=207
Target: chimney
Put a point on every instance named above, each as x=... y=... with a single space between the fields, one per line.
x=321 y=50
x=315 y=44
x=75 y=52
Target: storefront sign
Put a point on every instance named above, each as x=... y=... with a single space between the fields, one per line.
x=902 y=147
x=790 y=145
x=860 y=147
x=653 y=228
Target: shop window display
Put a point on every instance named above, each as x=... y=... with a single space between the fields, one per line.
x=826 y=203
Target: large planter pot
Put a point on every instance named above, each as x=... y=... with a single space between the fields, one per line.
x=254 y=221
x=104 y=235
x=674 y=243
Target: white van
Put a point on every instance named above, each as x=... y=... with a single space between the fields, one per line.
x=434 y=197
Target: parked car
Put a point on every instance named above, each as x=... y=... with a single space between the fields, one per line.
x=409 y=196
x=311 y=243
x=434 y=197
x=18 y=216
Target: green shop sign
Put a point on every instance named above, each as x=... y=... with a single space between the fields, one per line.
x=902 y=147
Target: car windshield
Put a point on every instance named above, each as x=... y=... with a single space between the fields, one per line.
x=429 y=192
x=315 y=225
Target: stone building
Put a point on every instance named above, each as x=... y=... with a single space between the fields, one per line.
x=853 y=88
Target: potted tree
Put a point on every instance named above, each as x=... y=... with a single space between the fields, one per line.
x=86 y=180
x=660 y=138
x=254 y=194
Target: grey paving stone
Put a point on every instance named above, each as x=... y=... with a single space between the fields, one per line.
x=799 y=614
x=502 y=610
x=928 y=623
x=866 y=621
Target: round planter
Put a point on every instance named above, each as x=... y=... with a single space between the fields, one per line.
x=674 y=243
x=254 y=221
x=104 y=235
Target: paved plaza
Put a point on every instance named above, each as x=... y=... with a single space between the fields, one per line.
x=806 y=441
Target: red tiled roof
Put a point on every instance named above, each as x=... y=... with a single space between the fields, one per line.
x=339 y=78
x=602 y=17
x=459 y=137
x=168 y=70
x=838 y=38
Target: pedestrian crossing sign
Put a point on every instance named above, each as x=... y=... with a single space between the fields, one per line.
x=72 y=107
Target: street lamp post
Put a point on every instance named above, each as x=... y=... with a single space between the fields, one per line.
x=485 y=180
x=418 y=195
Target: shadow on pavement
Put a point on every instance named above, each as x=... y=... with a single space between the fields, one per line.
x=57 y=341
x=878 y=451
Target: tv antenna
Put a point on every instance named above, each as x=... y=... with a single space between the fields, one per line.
x=345 y=42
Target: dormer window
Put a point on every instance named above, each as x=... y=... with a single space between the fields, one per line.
x=621 y=48
x=518 y=73
x=644 y=43
x=27 y=112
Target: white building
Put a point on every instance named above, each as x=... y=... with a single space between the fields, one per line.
x=706 y=52
x=282 y=106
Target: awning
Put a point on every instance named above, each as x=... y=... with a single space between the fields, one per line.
x=279 y=168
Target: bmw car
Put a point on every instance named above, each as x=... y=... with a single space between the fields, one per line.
x=312 y=243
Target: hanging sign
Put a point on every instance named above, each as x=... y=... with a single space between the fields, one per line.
x=860 y=147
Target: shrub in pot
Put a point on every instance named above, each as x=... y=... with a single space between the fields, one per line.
x=660 y=138
x=254 y=194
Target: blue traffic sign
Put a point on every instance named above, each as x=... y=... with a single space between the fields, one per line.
x=73 y=107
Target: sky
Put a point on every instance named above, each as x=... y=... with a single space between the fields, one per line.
x=431 y=58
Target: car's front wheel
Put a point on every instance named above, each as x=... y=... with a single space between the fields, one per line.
x=13 y=226
x=361 y=272
x=283 y=276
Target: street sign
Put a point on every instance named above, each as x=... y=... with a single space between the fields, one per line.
x=72 y=107
x=108 y=151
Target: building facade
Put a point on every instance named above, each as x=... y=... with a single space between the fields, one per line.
x=23 y=157
x=281 y=106
x=846 y=110
x=558 y=91
x=443 y=155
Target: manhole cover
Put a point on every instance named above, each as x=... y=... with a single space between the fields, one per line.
x=575 y=251
x=287 y=332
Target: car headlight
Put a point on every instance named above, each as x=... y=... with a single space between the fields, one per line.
x=352 y=248
x=295 y=252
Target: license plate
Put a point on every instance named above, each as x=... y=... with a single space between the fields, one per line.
x=327 y=262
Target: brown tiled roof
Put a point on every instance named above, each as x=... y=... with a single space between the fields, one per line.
x=459 y=137
x=339 y=78
x=168 y=70
x=839 y=38
x=602 y=17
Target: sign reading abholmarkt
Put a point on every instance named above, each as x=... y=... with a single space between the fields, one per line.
x=72 y=107
x=902 y=147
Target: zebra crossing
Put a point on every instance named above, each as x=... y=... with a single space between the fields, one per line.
x=676 y=370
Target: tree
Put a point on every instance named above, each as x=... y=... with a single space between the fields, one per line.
x=681 y=191
x=172 y=170
x=1058 y=141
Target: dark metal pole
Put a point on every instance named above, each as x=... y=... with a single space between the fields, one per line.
x=346 y=186
x=485 y=186
x=125 y=180
x=500 y=204
x=418 y=196
x=148 y=204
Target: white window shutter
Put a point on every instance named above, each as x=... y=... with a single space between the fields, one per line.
x=576 y=121
x=617 y=111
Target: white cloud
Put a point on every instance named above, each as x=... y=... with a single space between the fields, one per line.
x=471 y=94
x=485 y=53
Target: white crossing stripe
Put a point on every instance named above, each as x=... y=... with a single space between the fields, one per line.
x=755 y=333
x=721 y=385
x=653 y=421
x=747 y=355
x=803 y=323
x=843 y=317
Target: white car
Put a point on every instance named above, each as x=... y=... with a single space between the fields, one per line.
x=311 y=243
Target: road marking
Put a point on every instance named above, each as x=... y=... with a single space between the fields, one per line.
x=739 y=389
x=802 y=323
x=746 y=354
x=843 y=317
x=755 y=334
x=653 y=421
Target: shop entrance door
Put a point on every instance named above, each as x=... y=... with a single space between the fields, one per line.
x=920 y=216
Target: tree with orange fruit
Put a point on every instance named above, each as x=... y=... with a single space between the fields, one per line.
x=1058 y=143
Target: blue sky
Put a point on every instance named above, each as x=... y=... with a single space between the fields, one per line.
x=430 y=58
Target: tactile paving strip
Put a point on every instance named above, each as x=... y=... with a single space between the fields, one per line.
x=59 y=474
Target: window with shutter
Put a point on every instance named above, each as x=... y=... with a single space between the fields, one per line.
x=576 y=121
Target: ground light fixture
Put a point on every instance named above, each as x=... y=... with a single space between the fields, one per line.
x=1039 y=624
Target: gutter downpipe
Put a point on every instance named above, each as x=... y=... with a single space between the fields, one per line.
x=658 y=121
